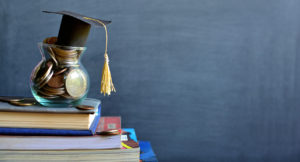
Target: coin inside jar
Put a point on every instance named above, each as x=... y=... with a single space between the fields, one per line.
x=52 y=55
x=61 y=71
x=40 y=70
x=66 y=60
x=45 y=95
x=46 y=75
x=50 y=40
x=52 y=91
x=46 y=80
x=56 y=81
x=36 y=71
x=65 y=53
x=76 y=83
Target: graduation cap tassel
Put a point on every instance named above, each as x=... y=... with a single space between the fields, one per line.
x=107 y=85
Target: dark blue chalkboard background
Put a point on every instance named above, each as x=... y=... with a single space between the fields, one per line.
x=203 y=80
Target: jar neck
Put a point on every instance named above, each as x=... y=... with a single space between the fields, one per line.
x=62 y=55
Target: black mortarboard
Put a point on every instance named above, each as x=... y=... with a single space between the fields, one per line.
x=75 y=28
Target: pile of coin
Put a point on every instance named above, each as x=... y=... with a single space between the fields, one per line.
x=24 y=101
x=18 y=101
x=60 y=75
x=109 y=132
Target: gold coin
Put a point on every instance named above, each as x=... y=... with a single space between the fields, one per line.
x=45 y=75
x=85 y=107
x=54 y=90
x=50 y=97
x=14 y=100
x=109 y=132
x=56 y=81
x=46 y=80
x=52 y=55
x=50 y=40
x=22 y=103
x=10 y=98
x=46 y=90
x=65 y=53
x=47 y=96
x=76 y=83
x=61 y=71
x=35 y=71
x=44 y=93
x=66 y=60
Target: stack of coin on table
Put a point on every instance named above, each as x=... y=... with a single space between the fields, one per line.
x=59 y=76
x=18 y=101
x=25 y=101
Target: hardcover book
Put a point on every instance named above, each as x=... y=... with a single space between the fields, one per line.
x=147 y=154
x=62 y=148
x=51 y=116
x=108 y=123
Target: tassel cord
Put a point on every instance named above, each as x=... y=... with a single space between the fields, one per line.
x=106 y=82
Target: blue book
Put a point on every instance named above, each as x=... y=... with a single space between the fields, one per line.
x=66 y=132
x=147 y=154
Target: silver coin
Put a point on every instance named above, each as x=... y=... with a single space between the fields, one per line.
x=76 y=83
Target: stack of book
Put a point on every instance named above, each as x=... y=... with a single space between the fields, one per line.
x=37 y=133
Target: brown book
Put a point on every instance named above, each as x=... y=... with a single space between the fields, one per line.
x=38 y=116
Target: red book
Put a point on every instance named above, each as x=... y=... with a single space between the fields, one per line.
x=108 y=123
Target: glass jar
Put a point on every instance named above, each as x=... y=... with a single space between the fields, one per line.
x=59 y=79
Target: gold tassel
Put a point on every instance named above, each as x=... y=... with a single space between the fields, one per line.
x=107 y=85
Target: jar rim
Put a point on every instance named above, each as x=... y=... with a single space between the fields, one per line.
x=60 y=46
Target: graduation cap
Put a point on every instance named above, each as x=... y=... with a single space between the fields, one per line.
x=74 y=31
x=75 y=28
